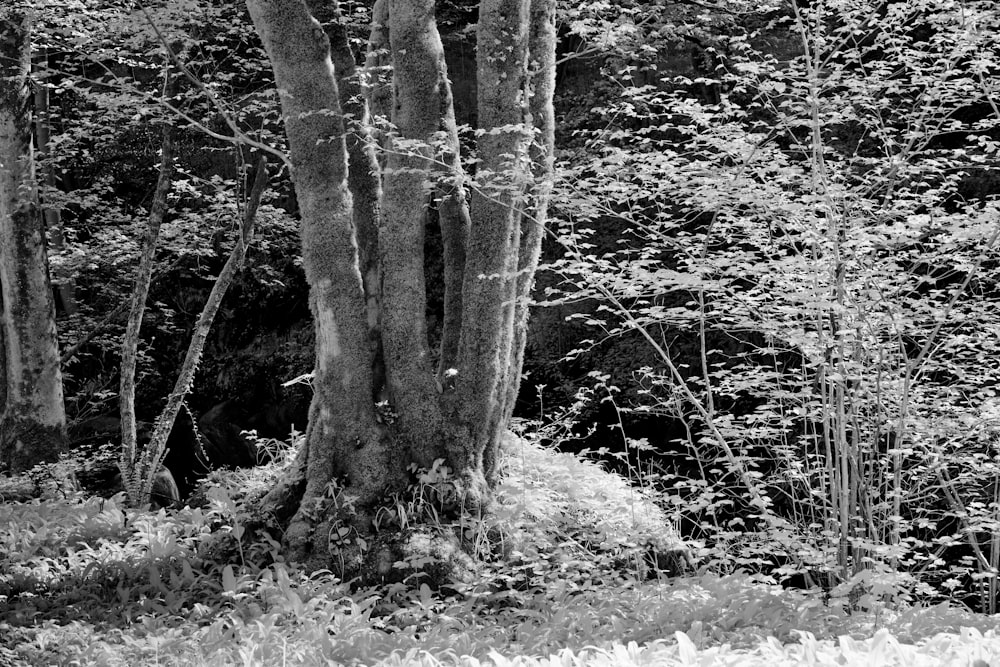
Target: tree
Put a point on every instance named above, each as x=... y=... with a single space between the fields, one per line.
x=52 y=215
x=453 y=415
x=33 y=423
x=136 y=476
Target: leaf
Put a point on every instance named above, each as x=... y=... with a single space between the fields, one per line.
x=229 y=582
x=686 y=650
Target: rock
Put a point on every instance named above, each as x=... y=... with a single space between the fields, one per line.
x=435 y=556
x=193 y=450
x=186 y=458
x=222 y=440
x=96 y=442
x=276 y=420
x=165 y=492
x=99 y=427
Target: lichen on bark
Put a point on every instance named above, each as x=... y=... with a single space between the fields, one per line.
x=33 y=421
x=494 y=240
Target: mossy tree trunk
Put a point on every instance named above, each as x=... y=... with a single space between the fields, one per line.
x=137 y=475
x=33 y=421
x=453 y=404
x=51 y=213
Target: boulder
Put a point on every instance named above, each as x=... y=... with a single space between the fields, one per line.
x=165 y=492
x=221 y=431
x=186 y=458
x=276 y=420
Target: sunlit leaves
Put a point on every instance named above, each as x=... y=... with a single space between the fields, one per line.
x=822 y=215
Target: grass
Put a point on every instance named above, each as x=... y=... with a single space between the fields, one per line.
x=86 y=582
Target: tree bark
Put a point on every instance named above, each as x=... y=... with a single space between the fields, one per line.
x=363 y=174
x=343 y=440
x=455 y=413
x=454 y=220
x=133 y=472
x=494 y=241
x=542 y=83
x=378 y=71
x=3 y=357
x=33 y=423
x=65 y=285
x=418 y=62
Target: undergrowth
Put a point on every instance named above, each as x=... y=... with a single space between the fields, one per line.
x=573 y=579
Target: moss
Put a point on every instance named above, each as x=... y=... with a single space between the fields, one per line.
x=434 y=555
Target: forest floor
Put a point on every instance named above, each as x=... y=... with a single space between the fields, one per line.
x=84 y=581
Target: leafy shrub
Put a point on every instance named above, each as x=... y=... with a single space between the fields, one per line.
x=820 y=215
x=566 y=517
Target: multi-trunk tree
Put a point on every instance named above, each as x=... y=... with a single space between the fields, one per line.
x=33 y=421
x=384 y=402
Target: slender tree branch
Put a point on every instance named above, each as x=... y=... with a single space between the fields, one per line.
x=132 y=474
x=157 y=449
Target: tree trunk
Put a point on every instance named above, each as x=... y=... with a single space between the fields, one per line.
x=362 y=174
x=133 y=475
x=541 y=87
x=356 y=455
x=65 y=285
x=147 y=468
x=489 y=291
x=33 y=423
x=454 y=220
x=343 y=441
x=3 y=358
x=378 y=72
x=417 y=59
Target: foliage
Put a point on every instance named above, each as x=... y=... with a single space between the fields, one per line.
x=92 y=583
x=820 y=233
x=562 y=517
x=788 y=255
x=103 y=64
